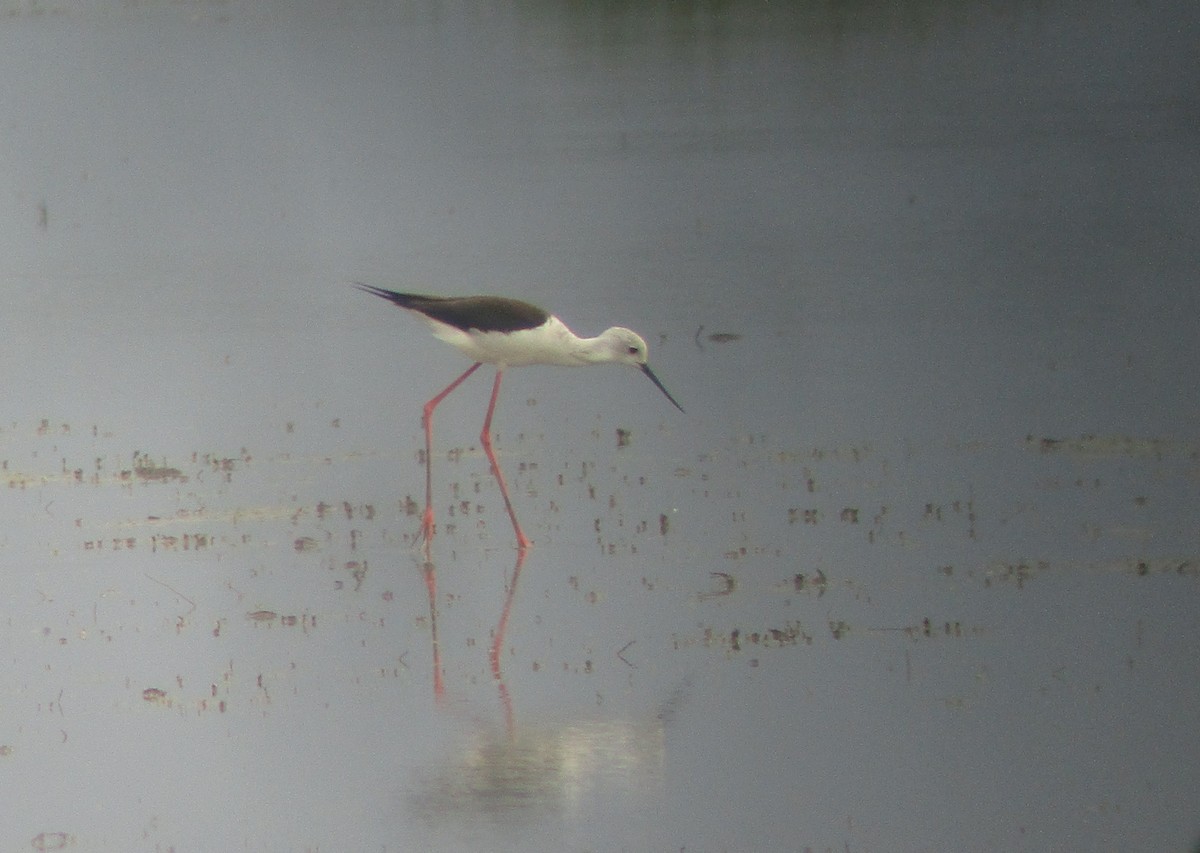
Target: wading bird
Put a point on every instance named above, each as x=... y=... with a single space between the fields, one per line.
x=507 y=333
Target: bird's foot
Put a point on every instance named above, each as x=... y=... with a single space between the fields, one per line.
x=426 y=532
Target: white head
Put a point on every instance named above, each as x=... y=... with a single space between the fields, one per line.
x=625 y=346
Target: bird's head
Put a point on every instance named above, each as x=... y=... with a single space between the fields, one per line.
x=625 y=346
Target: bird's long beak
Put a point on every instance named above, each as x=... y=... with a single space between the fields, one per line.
x=646 y=370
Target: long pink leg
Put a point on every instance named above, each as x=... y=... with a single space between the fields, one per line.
x=486 y=439
x=427 y=422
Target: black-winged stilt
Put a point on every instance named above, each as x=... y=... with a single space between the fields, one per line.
x=507 y=333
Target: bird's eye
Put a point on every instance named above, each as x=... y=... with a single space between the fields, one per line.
x=634 y=350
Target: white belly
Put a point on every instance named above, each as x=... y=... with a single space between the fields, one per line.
x=552 y=343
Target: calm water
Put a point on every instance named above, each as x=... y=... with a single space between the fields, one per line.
x=917 y=570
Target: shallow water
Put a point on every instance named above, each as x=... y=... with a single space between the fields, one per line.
x=916 y=571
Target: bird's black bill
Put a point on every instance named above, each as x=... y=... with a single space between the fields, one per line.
x=646 y=370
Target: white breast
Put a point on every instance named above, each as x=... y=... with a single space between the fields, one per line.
x=550 y=343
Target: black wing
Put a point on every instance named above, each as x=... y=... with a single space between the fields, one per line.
x=485 y=313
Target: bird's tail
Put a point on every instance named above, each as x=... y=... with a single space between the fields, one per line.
x=404 y=300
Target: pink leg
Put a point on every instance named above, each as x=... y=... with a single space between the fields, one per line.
x=486 y=439
x=427 y=422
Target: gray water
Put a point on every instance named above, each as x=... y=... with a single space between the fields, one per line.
x=917 y=570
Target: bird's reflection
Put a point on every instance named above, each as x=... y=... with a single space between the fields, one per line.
x=517 y=773
x=429 y=572
x=496 y=649
x=537 y=772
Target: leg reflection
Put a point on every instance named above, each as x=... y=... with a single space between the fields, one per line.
x=498 y=641
x=429 y=572
x=502 y=625
x=439 y=687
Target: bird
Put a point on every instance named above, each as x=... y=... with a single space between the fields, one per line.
x=507 y=333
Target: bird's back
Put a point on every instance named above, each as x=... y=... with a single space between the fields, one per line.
x=482 y=313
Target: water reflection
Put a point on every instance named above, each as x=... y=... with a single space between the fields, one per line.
x=542 y=771
x=429 y=573
x=516 y=773
x=498 y=641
